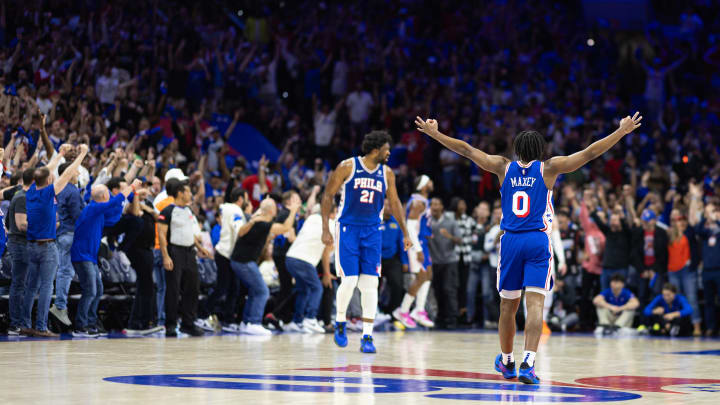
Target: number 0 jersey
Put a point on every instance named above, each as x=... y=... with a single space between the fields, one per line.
x=362 y=196
x=526 y=201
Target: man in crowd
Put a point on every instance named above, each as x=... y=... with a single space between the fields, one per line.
x=618 y=235
x=179 y=235
x=392 y=248
x=651 y=254
x=17 y=248
x=102 y=211
x=446 y=234
x=251 y=241
x=70 y=205
x=615 y=306
x=302 y=259
x=41 y=234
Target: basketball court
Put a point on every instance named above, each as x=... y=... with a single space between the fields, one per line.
x=409 y=368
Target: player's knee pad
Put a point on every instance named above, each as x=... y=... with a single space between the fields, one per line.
x=368 y=284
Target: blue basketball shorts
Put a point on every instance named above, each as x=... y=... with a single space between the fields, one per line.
x=524 y=261
x=358 y=250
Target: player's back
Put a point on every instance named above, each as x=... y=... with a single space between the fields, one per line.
x=526 y=200
x=362 y=196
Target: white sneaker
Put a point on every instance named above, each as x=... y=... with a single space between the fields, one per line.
x=256 y=329
x=313 y=326
x=231 y=328
x=355 y=325
x=293 y=327
x=599 y=331
x=627 y=332
x=242 y=327
x=205 y=324
x=381 y=318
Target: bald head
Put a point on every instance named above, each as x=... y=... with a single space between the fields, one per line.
x=268 y=207
x=100 y=193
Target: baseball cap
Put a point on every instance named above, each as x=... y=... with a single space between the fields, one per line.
x=175 y=174
x=648 y=215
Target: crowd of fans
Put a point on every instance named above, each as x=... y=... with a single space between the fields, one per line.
x=146 y=85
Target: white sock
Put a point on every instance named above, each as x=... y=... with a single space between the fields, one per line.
x=421 y=296
x=344 y=295
x=507 y=358
x=406 y=303
x=367 y=328
x=529 y=357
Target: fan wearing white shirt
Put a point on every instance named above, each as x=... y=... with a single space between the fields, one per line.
x=301 y=261
x=222 y=300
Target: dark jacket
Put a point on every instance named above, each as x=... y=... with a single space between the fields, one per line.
x=617 y=244
x=660 y=245
x=710 y=237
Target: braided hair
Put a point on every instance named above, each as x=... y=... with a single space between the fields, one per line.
x=529 y=146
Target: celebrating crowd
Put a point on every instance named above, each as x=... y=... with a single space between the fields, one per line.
x=122 y=143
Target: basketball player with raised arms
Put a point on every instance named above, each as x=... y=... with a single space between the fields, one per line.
x=364 y=182
x=525 y=252
x=418 y=214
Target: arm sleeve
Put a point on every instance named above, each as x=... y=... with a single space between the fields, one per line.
x=166 y=215
x=685 y=308
x=600 y=224
x=700 y=228
x=113 y=210
x=558 y=247
x=648 y=309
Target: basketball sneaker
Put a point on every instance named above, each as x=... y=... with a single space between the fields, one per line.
x=231 y=328
x=293 y=327
x=508 y=371
x=404 y=318
x=256 y=329
x=340 y=334
x=205 y=324
x=422 y=318
x=313 y=326
x=366 y=344
x=527 y=374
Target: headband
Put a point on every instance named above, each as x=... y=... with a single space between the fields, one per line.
x=424 y=180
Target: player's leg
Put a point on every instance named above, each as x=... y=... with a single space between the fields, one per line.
x=509 y=285
x=347 y=264
x=402 y=313
x=419 y=314
x=538 y=282
x=370 y=270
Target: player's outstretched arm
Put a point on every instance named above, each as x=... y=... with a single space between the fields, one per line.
x=397 y=209
x=337 y=178
x=491 y=163
x=567 y=164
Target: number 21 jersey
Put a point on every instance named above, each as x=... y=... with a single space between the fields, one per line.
x=526 y=201
x=362 y=196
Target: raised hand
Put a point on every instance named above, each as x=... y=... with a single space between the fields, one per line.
x=629 y=124
x=426 y=126
x=84 y=149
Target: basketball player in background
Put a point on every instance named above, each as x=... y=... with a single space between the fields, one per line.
x=525 y=252
x=364 y=182
x=418 y=213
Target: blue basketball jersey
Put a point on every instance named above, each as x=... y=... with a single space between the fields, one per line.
x=526 y=201
x=425 y=229
x=362 y=196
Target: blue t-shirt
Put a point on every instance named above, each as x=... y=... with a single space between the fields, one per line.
x=70 y=205
x=620 y=300
x=88 y=229
x=41 y=209
x=680 y=303
x=392 y=238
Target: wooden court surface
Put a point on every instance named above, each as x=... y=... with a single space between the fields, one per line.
x=409 y=368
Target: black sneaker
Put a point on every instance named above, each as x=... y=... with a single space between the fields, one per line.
x=99 y=330
x=192 y=331
x=13 y=331
x=84 y=332
x=170 y=332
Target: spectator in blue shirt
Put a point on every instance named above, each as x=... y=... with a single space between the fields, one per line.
x=669 y=313
x=392 y=247
x=102 y=211
x=70 y=204
x=708 y=232
x=615 y=306
x=42 y=251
